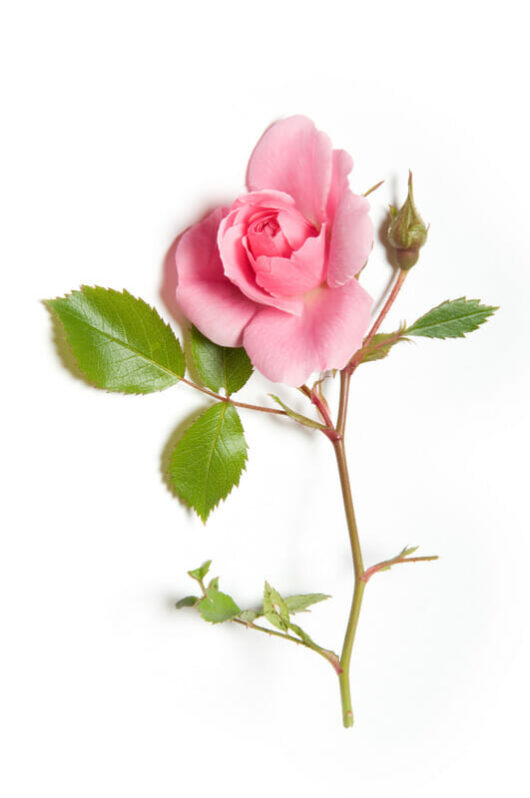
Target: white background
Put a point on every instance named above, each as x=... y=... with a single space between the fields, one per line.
x=123 y=122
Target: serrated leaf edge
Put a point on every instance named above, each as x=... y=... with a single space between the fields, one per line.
x=487 y=310
x=49 y=303
x=205 y=517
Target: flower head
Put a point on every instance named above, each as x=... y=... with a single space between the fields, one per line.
x=276 y=272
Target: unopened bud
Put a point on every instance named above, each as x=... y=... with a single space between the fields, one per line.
x=407 y=232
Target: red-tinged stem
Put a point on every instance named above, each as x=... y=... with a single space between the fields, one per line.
x=231 y=401
x=390 y=563
x=356 y=359
x=323 y=409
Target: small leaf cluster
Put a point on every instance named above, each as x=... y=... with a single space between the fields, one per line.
x=218 y=607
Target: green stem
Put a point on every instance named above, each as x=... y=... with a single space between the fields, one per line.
x=330 y=656
x=358 y=568
x=340 y=452
x=344 y=677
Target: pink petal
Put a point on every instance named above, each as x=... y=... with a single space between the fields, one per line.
x=265 y=237
x=331 y=328
x=247 y=204
x=342 y=164
x=295 y=227
x=294 y=157
x=351 y=239
x=206 y=296
x=301 y=272
x=236 y=265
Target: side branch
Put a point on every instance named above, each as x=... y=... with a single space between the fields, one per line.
x=385 y=565
x=330 y=656
x=231 y=401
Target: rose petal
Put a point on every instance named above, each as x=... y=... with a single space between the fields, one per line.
x=342 y=164
x=248 y=204
x=294 y=157
x=265 y=237
x=234 y=252
x=351 y=239
x=295 y=227
x=331 y=328
x=204 y=293
x=301 y=272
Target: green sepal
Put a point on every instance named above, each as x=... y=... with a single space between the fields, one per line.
x=200 y=573
x=452 y=319
x=307 y=422
x=208 y=460
x=380 y=345
x=275 y=609
x=119 y=342
x=217 y=607
x=219 y=366
x=187 y=601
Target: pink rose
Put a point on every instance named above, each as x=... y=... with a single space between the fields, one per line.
x=276 y=272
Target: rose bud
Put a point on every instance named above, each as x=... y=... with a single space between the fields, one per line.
x=407 y=232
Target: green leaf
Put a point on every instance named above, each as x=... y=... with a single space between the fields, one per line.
x=301 y=602
x=219 y=366
x=274 y=608
x=119 y=342
x=380 y=346
x=187 y=601
x=217 y=607
x=452 y=319
x=307 y=422
x=209 y=458
x=200 y=573
x=214 y=583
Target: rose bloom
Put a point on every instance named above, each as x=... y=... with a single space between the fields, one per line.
x=277 y=272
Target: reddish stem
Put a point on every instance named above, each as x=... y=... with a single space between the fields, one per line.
x=233 y=401
x=389 y=563
x=322 y=407
x=356 y=359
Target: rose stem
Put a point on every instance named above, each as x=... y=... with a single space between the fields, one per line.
x=358 y=565
x=233 y=401
x=358 y=569
x=356 y=359
x=329 y=655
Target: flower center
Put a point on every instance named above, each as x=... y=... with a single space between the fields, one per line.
x=265 y=237
x=269 y=226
